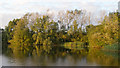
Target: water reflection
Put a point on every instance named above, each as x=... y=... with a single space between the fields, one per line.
x=100 y=57
x=60 y=56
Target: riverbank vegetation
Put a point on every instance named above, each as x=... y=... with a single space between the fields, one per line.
x=36 y=33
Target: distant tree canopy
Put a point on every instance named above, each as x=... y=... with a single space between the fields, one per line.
x=106 y=33
x=34 y=31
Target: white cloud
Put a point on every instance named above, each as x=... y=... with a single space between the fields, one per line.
x=16 y=7
x=21 y=5
x=5 y=18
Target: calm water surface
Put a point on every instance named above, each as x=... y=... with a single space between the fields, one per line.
x=63 y=57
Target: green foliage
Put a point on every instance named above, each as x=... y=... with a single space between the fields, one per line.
x=112 y=47
x=42 y=33
x=75 y=45
x=3 y=40
x=105 y=33
x=10 y=28
x=21 y=40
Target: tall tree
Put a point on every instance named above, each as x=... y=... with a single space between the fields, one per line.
x=21 y=40
x=10 y=28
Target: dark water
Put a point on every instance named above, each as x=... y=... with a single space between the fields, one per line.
x=62 y=57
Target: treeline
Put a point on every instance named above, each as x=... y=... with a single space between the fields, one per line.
x=34 y=32
x=107 y=33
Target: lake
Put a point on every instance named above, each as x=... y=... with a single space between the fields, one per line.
x=62 y=57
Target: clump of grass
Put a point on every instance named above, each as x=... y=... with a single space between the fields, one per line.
x=112 y=47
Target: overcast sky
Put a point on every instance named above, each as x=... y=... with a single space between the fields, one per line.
x=10 y=9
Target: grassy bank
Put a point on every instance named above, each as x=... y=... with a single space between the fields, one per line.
x=112 y=47
x=75 y=45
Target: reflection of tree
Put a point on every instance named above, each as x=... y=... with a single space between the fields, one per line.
x=18 y=57
x=64 y=56
x=56 y=54
x=96 y=56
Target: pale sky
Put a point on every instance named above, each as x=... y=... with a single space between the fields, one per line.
x=10 y=9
